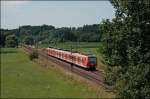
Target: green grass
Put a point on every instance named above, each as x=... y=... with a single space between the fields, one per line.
x=22 y=78
x=67 y=45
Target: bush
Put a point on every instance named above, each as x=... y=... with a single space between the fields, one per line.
x=33 y=55
x=11 y=41
x=28 y=40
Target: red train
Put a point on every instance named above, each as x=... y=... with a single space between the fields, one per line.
x=83 y=60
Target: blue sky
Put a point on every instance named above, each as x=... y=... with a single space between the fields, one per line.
x=56 y=13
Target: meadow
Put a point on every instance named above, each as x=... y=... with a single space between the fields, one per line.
x=68 y=45
x=22 y=78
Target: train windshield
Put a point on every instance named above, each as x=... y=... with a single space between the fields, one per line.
x=92 y=60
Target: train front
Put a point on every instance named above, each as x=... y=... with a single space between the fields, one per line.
x=92 y=62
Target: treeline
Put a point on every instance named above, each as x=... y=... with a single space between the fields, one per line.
x=49 y=34
x=126 y=47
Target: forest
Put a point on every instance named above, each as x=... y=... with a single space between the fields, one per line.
x=49 y=34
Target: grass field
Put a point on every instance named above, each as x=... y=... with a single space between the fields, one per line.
x=22 y=78
x=74 y=45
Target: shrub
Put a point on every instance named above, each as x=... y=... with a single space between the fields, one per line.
x=33 y=55
x=11 y=41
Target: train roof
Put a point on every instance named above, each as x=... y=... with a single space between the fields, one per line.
x=91 y=55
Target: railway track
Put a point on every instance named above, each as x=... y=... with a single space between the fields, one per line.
x=96 y=77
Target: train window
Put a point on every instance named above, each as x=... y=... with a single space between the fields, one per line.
x=83 y=60
x=70 y=57
x=61 y=55
x=92 y=60
x=79 y=60
x=76 y=59
x=73 y=58
x=49 y=51
x=67 y=56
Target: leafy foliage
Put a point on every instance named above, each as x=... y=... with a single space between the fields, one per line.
x=33 y=55
x=126 y=45
x=11 y=41
x=28 y=40
x=50 y=34
x=3 y=35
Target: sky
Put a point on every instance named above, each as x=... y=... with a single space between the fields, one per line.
x=56 y=13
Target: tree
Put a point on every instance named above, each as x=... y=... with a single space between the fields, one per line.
x=126 y=42
x=2 y=39
x=28 y=40
x=3 y=35
x=11 y=41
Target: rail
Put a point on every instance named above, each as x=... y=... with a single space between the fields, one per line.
x=95 y=76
